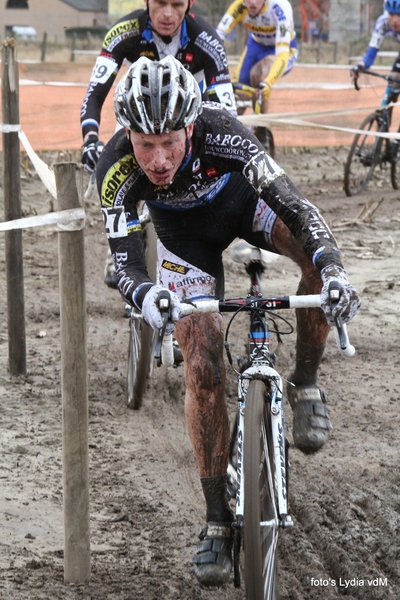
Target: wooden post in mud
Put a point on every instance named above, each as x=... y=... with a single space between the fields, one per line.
x=12 y=210
x=71 y=260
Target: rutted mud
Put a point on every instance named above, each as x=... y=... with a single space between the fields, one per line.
x=146 y=503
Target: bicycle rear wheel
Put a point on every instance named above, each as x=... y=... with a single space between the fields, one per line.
x=140 y=358
x=260 y=499
x=142 y=338
x=264 y=135
x=395 y=163
x=364 y=155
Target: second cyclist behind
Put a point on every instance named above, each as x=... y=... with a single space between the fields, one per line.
x=163 y=27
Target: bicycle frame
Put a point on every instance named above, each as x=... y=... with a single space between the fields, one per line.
x=268 y=432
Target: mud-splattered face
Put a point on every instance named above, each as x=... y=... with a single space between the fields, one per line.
x=160 y=156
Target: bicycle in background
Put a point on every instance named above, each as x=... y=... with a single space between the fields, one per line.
x=369 y=151
x=258 y=464
x=247 y=96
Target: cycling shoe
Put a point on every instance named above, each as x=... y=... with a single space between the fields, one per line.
x=213 y=559
x=311 y=423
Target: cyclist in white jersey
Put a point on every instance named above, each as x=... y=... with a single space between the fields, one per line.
x=271 y=49
x=387 y=25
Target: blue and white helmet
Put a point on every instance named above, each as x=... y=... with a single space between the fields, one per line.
x=392 y=6
x=157 y=96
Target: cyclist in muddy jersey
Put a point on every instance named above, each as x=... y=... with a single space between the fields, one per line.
x=207 y=180
x=164 y=27
x=222 y=161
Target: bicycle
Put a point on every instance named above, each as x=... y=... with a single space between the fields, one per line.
x=247 y=96
x=258 y=462
x=369 y=150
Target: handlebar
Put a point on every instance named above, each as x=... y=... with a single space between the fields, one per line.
x=250 y=303
x=387 y=78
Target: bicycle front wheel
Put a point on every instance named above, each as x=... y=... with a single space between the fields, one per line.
x=364 y=155
x=260 y=535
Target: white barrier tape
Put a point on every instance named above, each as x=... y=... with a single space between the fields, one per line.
x=72 y=219
x=9 y=128
x=286 y=119
x=45 y=173
x=322 y=113
x=260 y=120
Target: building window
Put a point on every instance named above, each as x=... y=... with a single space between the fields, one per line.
x=17 y=4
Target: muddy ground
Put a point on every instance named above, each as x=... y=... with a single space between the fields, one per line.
x=146 y=503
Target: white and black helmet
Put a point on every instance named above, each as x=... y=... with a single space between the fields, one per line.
x=157 y=96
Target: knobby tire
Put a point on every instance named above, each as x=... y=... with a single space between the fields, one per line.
x=364 y=155
x=260 y=542
x=142 y=337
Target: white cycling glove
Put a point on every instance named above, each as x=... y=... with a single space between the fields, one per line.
x=151 y=312
x=349 y=301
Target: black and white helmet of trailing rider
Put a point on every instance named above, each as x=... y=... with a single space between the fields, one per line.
x=157 y=97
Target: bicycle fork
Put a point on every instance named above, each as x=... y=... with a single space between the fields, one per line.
x=278 y=452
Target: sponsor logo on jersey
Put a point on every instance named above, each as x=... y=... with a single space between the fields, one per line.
x=230 y=141
x=224 y=77
x=283 y=30
x=147 y=53
x=174 y=267
x=211 y=172
x=120 y=29
x=214 y=48
x=280 y=15
x=189 y=58
x=107 y=54
x=196 y=165
x=115 y=179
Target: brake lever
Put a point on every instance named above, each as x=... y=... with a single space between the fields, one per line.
x=340 y=329
x=164 y=304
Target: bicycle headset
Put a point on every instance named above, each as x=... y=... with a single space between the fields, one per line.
x=157 y=97
x=392 y=6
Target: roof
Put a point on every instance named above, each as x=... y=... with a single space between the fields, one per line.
x=88 y=5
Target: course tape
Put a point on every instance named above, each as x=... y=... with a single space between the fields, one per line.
x=65 y=220
x=287 y=119
x=9 y=128
x=45 y=173
x=72 y=219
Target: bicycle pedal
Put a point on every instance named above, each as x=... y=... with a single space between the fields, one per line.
x=286 y=522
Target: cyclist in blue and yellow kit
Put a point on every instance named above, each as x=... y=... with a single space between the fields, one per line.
x=271 y=49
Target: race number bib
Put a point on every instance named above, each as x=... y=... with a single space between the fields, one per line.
x=115 y=221
x=103 y=69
